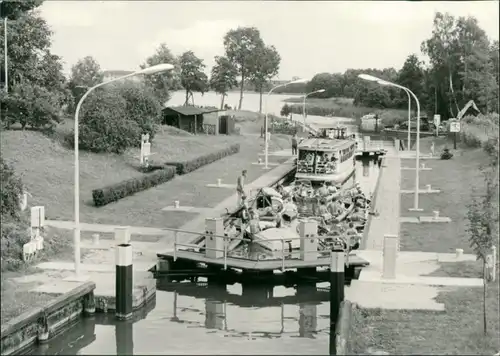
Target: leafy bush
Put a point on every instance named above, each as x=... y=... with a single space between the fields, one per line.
x=131 y=186
x=104 y=126
x=113 y=119
x=141 y=106
x=14 y=235
x=189 y=166
x=11 y=190
x=30 y=105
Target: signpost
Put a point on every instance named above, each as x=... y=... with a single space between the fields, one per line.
x=437 y=122
x=454 y=127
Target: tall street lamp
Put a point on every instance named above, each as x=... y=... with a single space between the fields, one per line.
x=409 y=119
x=146 y=71
x=304 y=104
x=417 y=155
x=266 y=138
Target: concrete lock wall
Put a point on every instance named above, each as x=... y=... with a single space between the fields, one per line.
x=39 y=325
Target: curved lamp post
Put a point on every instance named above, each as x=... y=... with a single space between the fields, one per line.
x=304 y=104
x=266 y=138
x=371 y=78
x=146 y=71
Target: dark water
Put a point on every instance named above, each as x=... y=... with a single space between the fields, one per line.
x=202 y=319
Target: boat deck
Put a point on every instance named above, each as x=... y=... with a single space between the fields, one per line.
x=254 y=265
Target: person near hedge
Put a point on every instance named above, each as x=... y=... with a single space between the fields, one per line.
x=240 y=186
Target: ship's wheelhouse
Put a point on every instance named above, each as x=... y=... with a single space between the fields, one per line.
x=324 y=156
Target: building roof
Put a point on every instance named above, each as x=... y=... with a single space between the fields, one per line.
x=190 y=110
x=325 y=144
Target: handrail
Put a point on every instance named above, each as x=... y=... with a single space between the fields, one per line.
x=284 y=253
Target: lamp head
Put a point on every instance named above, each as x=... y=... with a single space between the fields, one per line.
x=298 y=81
x=368 y=77
x=320 y=91
x=164 y=67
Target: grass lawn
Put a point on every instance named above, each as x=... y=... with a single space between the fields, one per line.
x=456 y=331
x=455 y=178
x=16 y=297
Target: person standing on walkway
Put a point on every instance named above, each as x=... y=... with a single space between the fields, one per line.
x=295 y=143
x=240 y=186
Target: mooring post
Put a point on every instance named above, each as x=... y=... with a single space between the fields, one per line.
x=337 y=281
x=390 y=253
x=397 y=145
x=124 y=336
x=308 y=231
x=124 y=274
x=214 y=229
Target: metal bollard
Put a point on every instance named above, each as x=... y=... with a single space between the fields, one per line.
x=337 y=282
x=124 y=281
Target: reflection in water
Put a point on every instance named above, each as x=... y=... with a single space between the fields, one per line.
x=217 y=298
x=308 y=312
x=124 y=336
x=224 y=319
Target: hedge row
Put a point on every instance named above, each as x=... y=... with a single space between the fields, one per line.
x=189 y=166
x=131 y=186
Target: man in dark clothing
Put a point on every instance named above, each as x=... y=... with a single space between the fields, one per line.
x=294 y=144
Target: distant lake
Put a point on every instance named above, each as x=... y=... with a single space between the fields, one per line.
x=251 y=103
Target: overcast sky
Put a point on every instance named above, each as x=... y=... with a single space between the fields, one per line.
x=310 y=36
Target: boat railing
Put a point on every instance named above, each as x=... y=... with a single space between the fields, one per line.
x=285 y=254
x=364 y=145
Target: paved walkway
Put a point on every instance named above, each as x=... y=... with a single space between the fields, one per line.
x=387 y=204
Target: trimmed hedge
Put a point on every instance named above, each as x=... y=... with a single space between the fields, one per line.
x=131 y=186
x=189 y=166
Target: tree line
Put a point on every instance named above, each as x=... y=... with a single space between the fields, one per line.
x=247 y=61
x=463 y=65
x=40 y=96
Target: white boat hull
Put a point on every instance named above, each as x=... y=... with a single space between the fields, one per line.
x=336 y=178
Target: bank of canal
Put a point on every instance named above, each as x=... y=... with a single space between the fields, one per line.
x=192 y=319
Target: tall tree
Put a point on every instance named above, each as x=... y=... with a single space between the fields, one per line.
x=240 y=45
x=86 y=73
x=162 y=83
x=411 y=76
x=476 y=68
x=223 y=77
x=31 y=66
x=193 y=78
x=440 y=48
x=331 y=83
x=15 y=9
x=494 y=58
x=482 y=225
x=266 y=66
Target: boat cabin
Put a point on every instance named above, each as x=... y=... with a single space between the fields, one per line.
x=327 y=157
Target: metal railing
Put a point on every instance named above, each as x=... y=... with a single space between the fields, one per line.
x=227 y=239
x=369 y=145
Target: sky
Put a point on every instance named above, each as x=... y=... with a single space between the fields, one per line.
x=311 y=36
